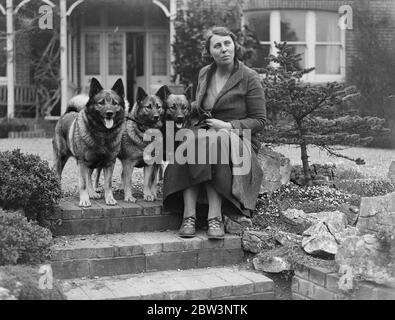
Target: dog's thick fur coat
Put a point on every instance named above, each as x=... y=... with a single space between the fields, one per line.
x=93 y=136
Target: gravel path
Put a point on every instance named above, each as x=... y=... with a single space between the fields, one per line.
x=377 y=161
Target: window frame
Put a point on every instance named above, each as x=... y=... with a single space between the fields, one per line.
x=310 y=42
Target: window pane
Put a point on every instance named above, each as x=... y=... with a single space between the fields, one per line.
x=159 y=55
x=327 y=59
x=300 y=50
x=115 y=54
x=327 y=28
x=293 y=26
x=261 y=54
x=92 y=54
x=260 y=23
x=140 y=56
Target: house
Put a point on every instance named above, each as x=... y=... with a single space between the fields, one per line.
x=131 y=39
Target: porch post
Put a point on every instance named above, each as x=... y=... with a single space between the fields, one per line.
x=10 y=60
x=63 y=55
x=173 y=15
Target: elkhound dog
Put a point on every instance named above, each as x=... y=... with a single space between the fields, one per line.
x=93 y=136
x=147 y=113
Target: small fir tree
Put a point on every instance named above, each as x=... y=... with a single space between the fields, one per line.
x=306 y=114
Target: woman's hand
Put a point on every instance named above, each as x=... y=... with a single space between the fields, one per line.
x=218 y=124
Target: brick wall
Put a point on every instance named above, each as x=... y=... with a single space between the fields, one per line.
x=315 y=283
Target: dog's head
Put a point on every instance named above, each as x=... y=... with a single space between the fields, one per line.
x=178 y=107
x=106 y=107
x=148 y=109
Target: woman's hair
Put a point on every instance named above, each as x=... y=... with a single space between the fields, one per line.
x=219 y=31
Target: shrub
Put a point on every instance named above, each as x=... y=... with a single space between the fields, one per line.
x=317 y=172
x=27 y=183
x=22 y=282
x=349 y=174
x=321 y=198
x=366 y=188
x=22 y=241
x=7 y=126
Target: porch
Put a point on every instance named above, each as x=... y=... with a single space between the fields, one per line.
x=127 y=39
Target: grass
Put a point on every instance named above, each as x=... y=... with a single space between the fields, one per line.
x=377 y=161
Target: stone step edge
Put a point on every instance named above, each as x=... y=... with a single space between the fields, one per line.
x=99 y=210
x=192 y=284
x=134 y=244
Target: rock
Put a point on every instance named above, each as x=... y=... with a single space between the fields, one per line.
x=6 y=295
x=367 y=258
x=256 y=241
x=288 y=239
x=272 y=264
x=377 y=214
x=236 y=224
x=300 y=218
x=323 y=237
x=352 y=213
x=276 y=169
x=391 y=172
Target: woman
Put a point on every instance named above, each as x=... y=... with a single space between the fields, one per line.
x=234 y=96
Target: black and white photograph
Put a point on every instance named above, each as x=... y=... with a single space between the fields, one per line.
x=197 y=155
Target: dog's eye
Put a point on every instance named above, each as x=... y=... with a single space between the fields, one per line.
x=149 y=106
x=173 y=106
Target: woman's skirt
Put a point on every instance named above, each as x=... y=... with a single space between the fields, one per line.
x=239 y=193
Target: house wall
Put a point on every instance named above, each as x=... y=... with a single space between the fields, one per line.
x=379 y=9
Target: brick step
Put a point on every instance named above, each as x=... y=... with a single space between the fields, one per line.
x=70 y=219
x=194 y=284
x=131 y=253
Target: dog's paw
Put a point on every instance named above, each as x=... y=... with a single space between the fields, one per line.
x=130 y=199
x=149 y=197
x=85 y=203
x=110 y=201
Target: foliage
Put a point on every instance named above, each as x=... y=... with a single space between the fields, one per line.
x=22 y=283
x=27 y=183
x=293 y=196
x=366 y=188
x=373 y=68
x=22 y=242
x=349 y=174
x=308 y=114
x=317 y=172
x=44 y=53
x=9 y=125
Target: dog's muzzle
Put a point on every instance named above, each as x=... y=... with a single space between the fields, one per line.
x=109 y=120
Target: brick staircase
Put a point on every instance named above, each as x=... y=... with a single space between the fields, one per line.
x=132 y=251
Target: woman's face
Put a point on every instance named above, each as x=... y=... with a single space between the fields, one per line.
x=222 y=49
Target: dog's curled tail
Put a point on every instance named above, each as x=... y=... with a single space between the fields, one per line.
x=77 y=103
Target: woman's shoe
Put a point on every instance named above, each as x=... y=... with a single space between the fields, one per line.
x=188 y=229
x=216 y=228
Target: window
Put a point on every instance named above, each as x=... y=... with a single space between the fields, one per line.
x=3 y=46
x=159 y=54
x=315 y=35
x=92 y=54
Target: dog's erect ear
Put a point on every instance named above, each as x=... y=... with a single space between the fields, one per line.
x=163 y=93
x=189 y=93
x=119 y=88
x=95 y=88
x=141 y=94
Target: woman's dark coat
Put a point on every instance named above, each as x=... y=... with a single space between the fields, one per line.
x=242 y=103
